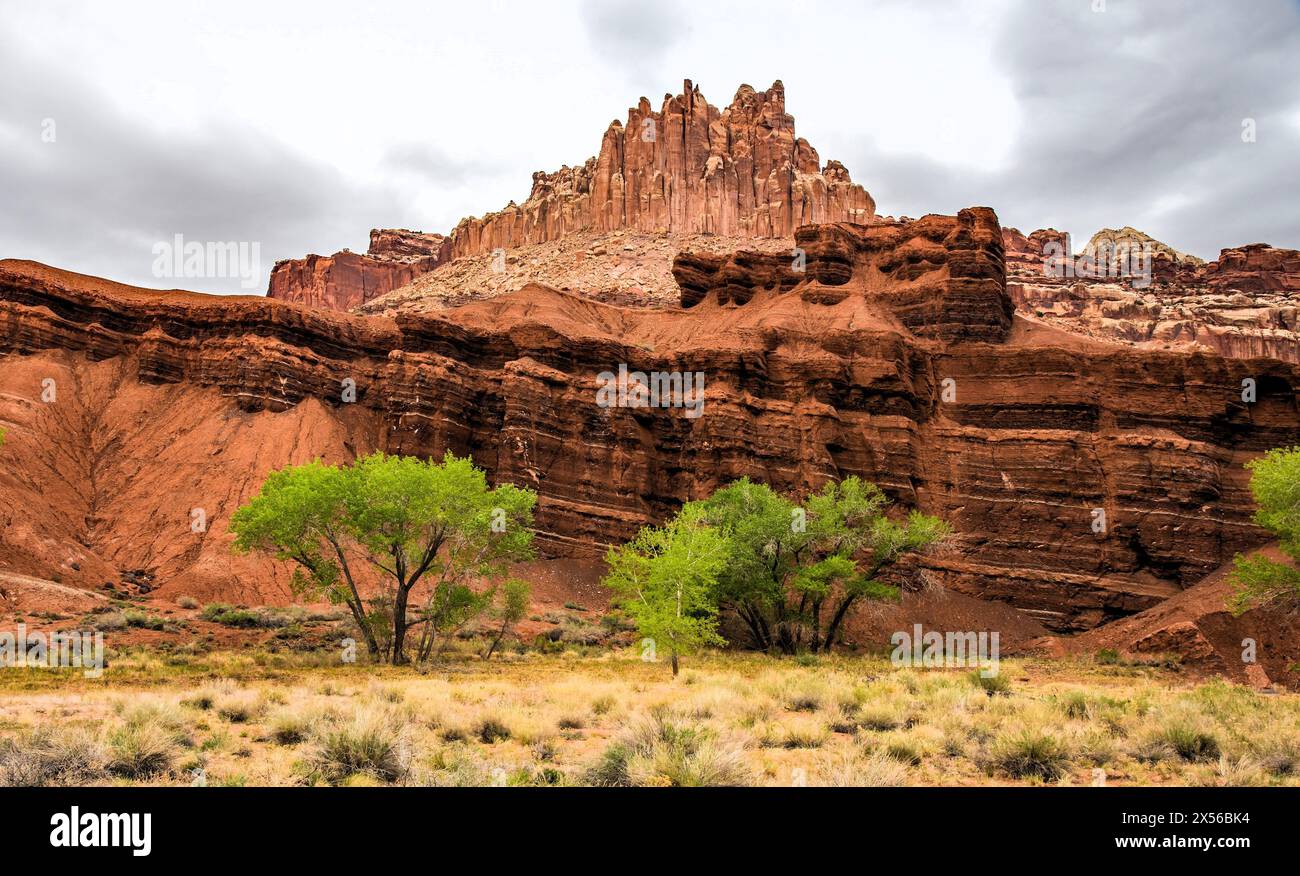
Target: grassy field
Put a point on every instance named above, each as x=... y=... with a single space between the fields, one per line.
x=259 y=718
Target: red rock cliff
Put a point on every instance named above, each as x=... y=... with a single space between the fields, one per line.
x=345 y=280
x=688 y=167
x=892 y=356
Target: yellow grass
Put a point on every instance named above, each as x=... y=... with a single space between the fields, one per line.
x=280 y=719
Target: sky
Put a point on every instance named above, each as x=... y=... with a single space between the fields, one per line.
x=299 y=126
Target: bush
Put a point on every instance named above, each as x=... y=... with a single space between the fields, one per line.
x=656 y=751
x=491 y=731
x=1190 y=742
x=187 y=602
x=240 y=708
x=372 y=743
x=849 y=770
x=992 y=685
x=229 y=616
x=1030 y=753
x=289 y=728
x=249 y=618
x=141 y=750
x=46 y=759
x=143 y=620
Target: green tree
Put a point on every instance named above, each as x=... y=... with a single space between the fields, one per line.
x=410 y=521
x=794 y=572
x=512 y=605
x=666 y=578
x=301 y=514
x=1275 y=483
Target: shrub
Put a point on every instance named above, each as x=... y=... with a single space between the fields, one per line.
x=289 y=728
x=373 y=743
x=491 y=730
x=187 y=602
x=656 y=751
x=229 y=615
x=44 y=758
x=1030 y=753
x=143 y=620
x=141 y=749
x=240 y=708
x=1190 y=742
x=849 y=770
x=992 y=685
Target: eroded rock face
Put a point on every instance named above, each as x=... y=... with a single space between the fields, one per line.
x=939 y=277
x=685 y=168
x=1242 y=305
x=859 y=366
x=346 y=280
x=1257 y=268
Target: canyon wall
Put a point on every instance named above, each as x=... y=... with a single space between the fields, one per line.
x=346 y=279
x=891 y=353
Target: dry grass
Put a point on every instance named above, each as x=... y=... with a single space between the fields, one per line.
x=610 y=719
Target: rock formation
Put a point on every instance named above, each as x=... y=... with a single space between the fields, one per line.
x=345 y=280
x=892 y=355
x=1242 y=305
x=687 y=168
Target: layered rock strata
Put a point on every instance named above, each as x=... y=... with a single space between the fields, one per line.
x=346 y=279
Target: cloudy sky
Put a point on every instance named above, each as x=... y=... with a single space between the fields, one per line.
x=300 y=126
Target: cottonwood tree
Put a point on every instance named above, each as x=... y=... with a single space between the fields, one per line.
x=512 y=604
x=410 y=521
x=665 y=579
x=793 y=574
x=1275 y=483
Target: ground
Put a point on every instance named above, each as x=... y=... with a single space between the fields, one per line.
x=597 y=715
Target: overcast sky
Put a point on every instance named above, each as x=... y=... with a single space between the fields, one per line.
x=300 y=126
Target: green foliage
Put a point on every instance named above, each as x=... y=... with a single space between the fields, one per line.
x=229 y=616
x=408 y=520
x=512 y=600
x=1030 y=753
x=666 y=580
x=794 y=573
x=1275 y=483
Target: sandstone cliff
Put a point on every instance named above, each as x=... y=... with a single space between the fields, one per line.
x=688 y=167
x=892 y=355
x=345 y=280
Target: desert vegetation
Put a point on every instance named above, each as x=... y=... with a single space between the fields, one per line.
x=407 y=521
x=1275 y=483
x=611 y=719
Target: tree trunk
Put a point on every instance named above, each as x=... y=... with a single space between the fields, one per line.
x=497 y=641
x=355 y=603
x=833 y=630
x=399 y=626
x=675 y=666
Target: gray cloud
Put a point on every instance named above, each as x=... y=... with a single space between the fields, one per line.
x=634 y=36
x=1133 y=116
x=98 y=198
